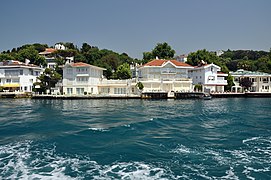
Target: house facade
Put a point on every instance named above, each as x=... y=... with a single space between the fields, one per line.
x=81 y=79
x=118 y=87
x=165 y=76
x=16 y=76
x=261 y=82
x=50 y=59
x=209 y=76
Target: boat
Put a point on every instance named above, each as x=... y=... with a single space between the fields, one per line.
x=206 y=96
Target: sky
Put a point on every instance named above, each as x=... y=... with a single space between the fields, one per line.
x=136 y=26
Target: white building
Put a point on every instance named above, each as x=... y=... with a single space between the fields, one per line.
x=182 y=58
x=81 y=79
x=219 y=52
x=261 y=82
x=165 y=76
x=47 y=54
x=60 y=47
x=209 y=76
x=118 y=87
x=18 y=76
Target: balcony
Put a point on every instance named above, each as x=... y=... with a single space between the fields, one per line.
x=217 y=82
x=168 y=72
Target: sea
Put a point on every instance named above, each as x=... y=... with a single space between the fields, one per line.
x=223 y=138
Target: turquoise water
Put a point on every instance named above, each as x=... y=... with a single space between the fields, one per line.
x=135 y=139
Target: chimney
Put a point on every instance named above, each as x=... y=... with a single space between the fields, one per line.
x=27 y=61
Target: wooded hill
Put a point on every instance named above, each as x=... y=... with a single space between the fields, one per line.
x=117 y=65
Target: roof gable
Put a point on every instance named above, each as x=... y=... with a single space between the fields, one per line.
x=81 y=64
x=162 y=63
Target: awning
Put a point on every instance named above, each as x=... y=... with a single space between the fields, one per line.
x=11 y=85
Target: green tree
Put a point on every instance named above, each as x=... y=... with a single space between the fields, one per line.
x=147 y=56
x=32 y=54
x=230 y=83
x=140 y=86
x=123 y=71
x=112 y=60
x=163 y=51
x=6 y=57
x=198 y=87
x=195 y=58
x=47 y=80
x=85 y=48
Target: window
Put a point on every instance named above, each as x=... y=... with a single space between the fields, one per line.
x=212 y=69
x=21 y=72
x=105 y=90
x=25 y=88
x=80 y=91
x=211 y=78
x=15 y=80
x=69 y=90
x=8 y=80
x=69 y=71
x=119 y=90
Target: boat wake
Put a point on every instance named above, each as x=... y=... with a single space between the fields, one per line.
x=26 y=160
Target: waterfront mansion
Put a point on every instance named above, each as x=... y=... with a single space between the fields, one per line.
x=261 y=82
x=158 y=75
x=16 y=76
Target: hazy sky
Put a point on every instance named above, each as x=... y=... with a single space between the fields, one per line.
x=135 y=26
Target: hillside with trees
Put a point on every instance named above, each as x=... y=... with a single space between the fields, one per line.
x=117 y=65
x=234 y=60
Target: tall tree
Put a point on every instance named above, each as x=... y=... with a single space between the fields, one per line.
x=5 y=57
x=123 y=71
x=230 y=83
x=32 y=54
x=47 y=80
x=161 y=50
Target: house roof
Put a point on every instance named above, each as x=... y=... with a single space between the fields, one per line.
x=241 y=72
x=206 y=65
x=15 y=63
x=81 y=64
x=222 y=74
x=48 y=51
x=162 y=62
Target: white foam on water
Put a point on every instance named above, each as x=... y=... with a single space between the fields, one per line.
x=181 y=149
x=230 y=174
x=250 y=139
x=98 y=129
x=16 y=162
x=24 y=160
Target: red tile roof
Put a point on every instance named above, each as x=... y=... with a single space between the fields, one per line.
x=80 y=64
x=160 y=62
x=50 y=50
